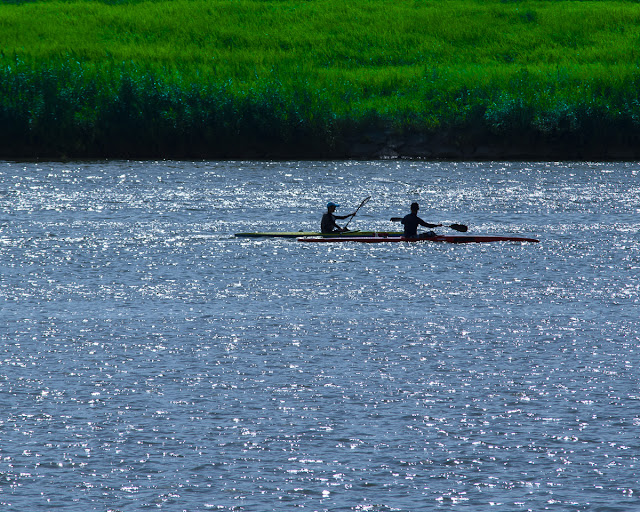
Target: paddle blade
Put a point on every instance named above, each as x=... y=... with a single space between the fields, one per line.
x=396 y=219
x=364 y=201
x=459 y=227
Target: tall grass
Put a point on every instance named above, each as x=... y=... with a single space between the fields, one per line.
x=293 y=77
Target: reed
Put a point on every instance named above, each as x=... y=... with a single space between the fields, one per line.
x=292 y=77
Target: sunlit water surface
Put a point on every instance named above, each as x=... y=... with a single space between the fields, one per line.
x=150 y=360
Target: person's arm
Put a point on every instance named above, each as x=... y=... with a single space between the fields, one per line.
x=427 y=225
x=344 y=216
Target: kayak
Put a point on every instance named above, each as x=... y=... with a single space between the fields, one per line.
x=451 y=239
x=297 y=234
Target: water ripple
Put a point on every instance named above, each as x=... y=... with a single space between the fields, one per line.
x=151 y=359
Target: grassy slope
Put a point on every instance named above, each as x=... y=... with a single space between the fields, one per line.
x=286 y=70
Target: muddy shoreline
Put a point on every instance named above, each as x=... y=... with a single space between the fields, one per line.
x=368 y=145
x=469 y=146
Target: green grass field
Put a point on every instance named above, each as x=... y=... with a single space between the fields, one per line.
x=234 y=78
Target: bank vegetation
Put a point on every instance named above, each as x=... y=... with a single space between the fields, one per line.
x=320 y=79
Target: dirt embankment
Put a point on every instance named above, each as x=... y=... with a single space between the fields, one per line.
x=370 y=144
x=473 y=146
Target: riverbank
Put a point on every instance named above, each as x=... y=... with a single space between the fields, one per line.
x=462 y=145
x=270 y=79
x=365 y=145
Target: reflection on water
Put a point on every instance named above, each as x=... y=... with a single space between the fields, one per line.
x=151 y=359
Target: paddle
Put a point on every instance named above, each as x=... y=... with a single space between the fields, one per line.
x=457 y=227
x=364 y=201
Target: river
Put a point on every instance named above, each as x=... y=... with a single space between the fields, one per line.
x=150 y=360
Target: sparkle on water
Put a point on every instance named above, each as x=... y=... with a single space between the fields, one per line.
x=150 y=360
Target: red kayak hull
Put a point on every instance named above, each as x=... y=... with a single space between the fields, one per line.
x=451 y=239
